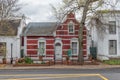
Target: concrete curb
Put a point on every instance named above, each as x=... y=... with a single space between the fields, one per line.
x=102 y=66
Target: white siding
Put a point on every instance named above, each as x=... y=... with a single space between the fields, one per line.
x=15 y=40
x=15 y=49
x=103 y=44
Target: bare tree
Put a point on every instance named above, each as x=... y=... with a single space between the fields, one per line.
x=86 y=8
x=8 y=8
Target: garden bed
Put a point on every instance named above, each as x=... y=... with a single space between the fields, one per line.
x=23 y=65
x=29 y=62
x=46 y=63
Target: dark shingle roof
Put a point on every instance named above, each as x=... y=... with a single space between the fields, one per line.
x=9 y=27
x=40 y=29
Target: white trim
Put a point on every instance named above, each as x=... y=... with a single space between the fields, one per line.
x=84 y=39
x=84 y=49
x=32 y=50
x=50 y=49
x=66 y=44
x=75 y=40
x=42 y=40
x=70 y=35
x=66 y=39
x=67 y=24
x=59 y=35
x=37 y=49
x=71 y=22
x=54 y=33
x=65 y=49
x=84 y=35
x=50 y=44
x=32 y=39
x=39 y=38
x=65 y=30
x=31 y=44
x=58 y=40
x=25 y=46
x=37 y=44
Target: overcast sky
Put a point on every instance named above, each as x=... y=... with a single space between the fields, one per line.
x=38 y=10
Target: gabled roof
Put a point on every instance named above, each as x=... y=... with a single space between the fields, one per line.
x=9 y=27
x=40 y=29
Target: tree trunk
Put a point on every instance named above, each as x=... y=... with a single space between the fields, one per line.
x=82 y=25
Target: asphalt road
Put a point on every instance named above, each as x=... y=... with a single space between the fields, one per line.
x=61 y=74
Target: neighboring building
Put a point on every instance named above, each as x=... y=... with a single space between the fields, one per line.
x=55 y=39
x=10 y=31
x=108 y=43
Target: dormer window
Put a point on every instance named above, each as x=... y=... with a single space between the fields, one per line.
x=71 y=27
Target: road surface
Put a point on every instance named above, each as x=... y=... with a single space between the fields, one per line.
x=60 y=74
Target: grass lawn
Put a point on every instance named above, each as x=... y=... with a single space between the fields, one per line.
x=112 y=62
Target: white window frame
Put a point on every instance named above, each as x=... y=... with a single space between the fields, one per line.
x=75 y=40
x=69 y=28
x=42 y=40
x=111 y=25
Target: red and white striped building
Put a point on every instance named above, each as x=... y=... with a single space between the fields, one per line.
x=53 y=39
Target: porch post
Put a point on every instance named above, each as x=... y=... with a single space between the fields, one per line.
x=11 y=54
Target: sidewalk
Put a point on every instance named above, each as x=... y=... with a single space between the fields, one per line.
x=100 y=66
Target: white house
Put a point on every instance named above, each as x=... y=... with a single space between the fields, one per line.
x=10 y=31
x=107 y=42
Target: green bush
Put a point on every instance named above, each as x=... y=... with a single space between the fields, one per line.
x=42 y=62
x=112 y=62
x=28 y=60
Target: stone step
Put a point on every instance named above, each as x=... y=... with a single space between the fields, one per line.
x=34 y=58
x=58 y=61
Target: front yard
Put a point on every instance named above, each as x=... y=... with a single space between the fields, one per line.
x=112 y=62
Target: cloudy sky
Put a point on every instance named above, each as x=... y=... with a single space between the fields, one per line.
x=38 y=10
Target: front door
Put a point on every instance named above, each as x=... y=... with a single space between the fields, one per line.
x=58 y=51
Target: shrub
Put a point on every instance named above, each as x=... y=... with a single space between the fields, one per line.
x=42 y=62
x=21 y=60
x=28 y=60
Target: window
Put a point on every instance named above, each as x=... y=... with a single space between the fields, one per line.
x=2 y=48
x=41 y=47
x=112 y=47
x=112 y=27
x=74 y=48
x=71 y=27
